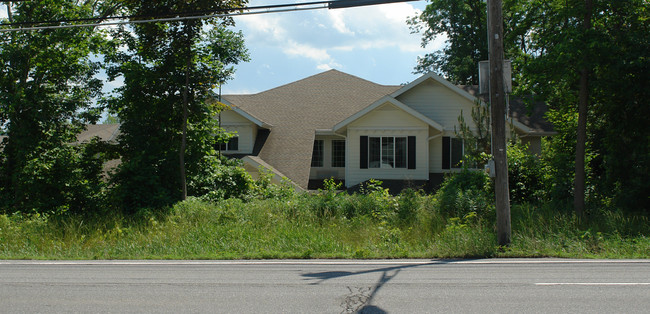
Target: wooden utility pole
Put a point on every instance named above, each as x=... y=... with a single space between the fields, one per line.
x=181 y=153
x=581 y=134
x=498 y=113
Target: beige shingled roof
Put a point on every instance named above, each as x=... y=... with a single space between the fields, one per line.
x=105 y=132
x=298 y=109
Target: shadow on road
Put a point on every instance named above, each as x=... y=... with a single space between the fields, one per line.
x=359 y=301
x=323 y=276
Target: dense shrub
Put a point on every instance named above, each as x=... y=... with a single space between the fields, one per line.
x=409 y=203
x=525 y=178
x=221 y=179
x=464 y=192
x=64 y=179
x=263 y=188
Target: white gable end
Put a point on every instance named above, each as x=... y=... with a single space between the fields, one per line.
x=388 y=116
x=438 y=102
x=245 y=130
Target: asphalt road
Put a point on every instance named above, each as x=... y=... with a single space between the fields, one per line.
x=330 y=286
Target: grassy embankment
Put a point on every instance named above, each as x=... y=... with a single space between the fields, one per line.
x=328 y=225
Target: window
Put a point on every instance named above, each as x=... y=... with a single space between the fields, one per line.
x=452 y=152
x=231 y=145
x=338 y=153
x=317 y=156
x=387 y=152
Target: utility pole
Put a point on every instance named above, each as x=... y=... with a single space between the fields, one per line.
x=498 y=113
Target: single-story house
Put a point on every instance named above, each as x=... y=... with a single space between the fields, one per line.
x=336 y=125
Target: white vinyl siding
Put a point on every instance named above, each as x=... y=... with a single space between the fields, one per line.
x=438 y=103
x=328 y=170
x=390 y=122
x=245 y=130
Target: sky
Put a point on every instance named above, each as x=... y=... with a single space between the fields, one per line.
x=371 y=42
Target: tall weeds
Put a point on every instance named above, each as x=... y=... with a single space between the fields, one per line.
x=327 y=224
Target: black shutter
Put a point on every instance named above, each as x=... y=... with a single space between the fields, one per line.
x=363 y=149
x=446 y=161
x=411 y=152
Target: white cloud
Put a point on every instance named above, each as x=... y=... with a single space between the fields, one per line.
x=329 y=66
x=379 y=26
x=324 y=67
x=305 y=50
x=263 y=28
x=318 y=35
x=373 y=42
x=338 y=23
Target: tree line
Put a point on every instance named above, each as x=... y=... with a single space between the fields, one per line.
x=49 y=91
x=589 y=60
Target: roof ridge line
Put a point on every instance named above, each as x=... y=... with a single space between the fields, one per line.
x=318 y=74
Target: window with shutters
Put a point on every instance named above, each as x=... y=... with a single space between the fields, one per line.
x=387 y=152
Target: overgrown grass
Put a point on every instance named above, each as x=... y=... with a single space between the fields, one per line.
x=327 y=225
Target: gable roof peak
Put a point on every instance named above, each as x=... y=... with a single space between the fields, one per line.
x=328 y=77
x=437 y=78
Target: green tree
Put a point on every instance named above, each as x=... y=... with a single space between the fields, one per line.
x=167 y=118
x=47 y=85
x=465 y=25
x=618 y=89
x=592 y=57
x=476 y=136
x=588 y=59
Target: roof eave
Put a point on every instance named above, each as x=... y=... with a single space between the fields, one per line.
x=247 y=115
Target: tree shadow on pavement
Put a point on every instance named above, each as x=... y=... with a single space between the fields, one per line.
x=360 y=301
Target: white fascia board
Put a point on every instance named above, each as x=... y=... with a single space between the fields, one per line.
x=520 y=126
x=380 y=102
x=438 y=79
x=328 y=132
x=246 y=115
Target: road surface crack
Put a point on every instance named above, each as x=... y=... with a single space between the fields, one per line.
x=356 y=299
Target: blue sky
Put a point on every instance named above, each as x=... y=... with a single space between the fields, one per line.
x=371 y=42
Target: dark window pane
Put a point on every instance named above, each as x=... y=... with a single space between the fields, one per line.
x=387 y=152
x=233 y=144
x=400 y=152
x=338 y=153
x=317 y=154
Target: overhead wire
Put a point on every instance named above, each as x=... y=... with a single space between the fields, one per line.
x=176 y=16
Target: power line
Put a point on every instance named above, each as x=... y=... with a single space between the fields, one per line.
x=166 y=15
x=276 y=8
x=171 y=19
